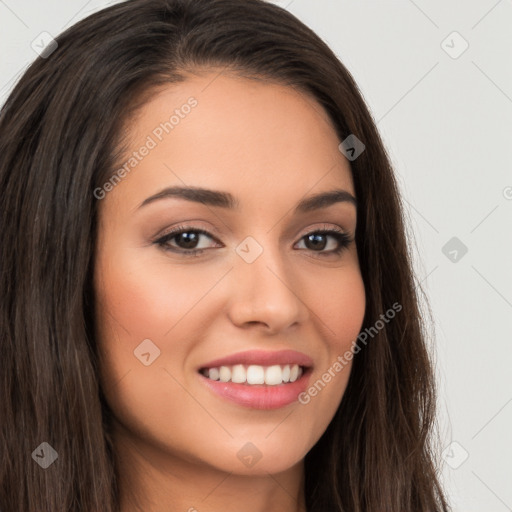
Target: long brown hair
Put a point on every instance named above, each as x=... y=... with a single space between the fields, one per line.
x=61 y=133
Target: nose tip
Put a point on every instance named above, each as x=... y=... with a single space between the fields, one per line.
x=263 y=293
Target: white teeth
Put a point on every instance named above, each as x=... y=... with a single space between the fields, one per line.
x=224 y=374
x=238 y=373
x=255 y=374
x=273 y=375
x=294 y=373
x=286 y=373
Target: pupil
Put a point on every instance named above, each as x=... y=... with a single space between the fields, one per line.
x=190 y=239
x=315 y=238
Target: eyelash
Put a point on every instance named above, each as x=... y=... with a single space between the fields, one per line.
x=341 y=237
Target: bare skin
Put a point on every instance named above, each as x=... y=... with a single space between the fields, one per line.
x=270 y=146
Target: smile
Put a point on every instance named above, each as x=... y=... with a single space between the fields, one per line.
x=255 y=374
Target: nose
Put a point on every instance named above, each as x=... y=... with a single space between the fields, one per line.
x=266 y=292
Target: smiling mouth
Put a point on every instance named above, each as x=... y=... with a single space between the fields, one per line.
x=254 y=375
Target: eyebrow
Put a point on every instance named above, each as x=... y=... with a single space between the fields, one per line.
x=227 y=200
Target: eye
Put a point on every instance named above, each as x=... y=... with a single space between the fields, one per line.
x=318 y=241
x=186 y=241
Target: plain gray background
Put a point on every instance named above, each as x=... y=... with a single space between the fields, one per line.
x=445 y=114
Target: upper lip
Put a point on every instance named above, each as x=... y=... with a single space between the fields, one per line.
x=263 y=358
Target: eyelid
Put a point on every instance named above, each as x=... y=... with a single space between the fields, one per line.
x=186 y=226
x=325 y=227
x=171 y=233
x=207 y=232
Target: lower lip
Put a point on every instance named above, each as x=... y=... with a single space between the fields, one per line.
x=259 y=396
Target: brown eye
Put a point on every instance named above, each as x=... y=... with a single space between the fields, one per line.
x=318 y=241
x=185 y=240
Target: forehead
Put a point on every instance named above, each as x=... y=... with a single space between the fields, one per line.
x=234 y=133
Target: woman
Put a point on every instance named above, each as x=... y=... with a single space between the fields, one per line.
x=207 y=297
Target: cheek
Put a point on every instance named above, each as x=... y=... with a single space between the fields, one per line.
x=340 y=306
x=339 y=302
x=144 y=298
x=140 y=299
x=140 y=305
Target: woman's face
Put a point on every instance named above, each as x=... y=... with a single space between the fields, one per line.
x=264 y=281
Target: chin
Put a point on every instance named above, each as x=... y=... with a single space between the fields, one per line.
x=258 y=456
